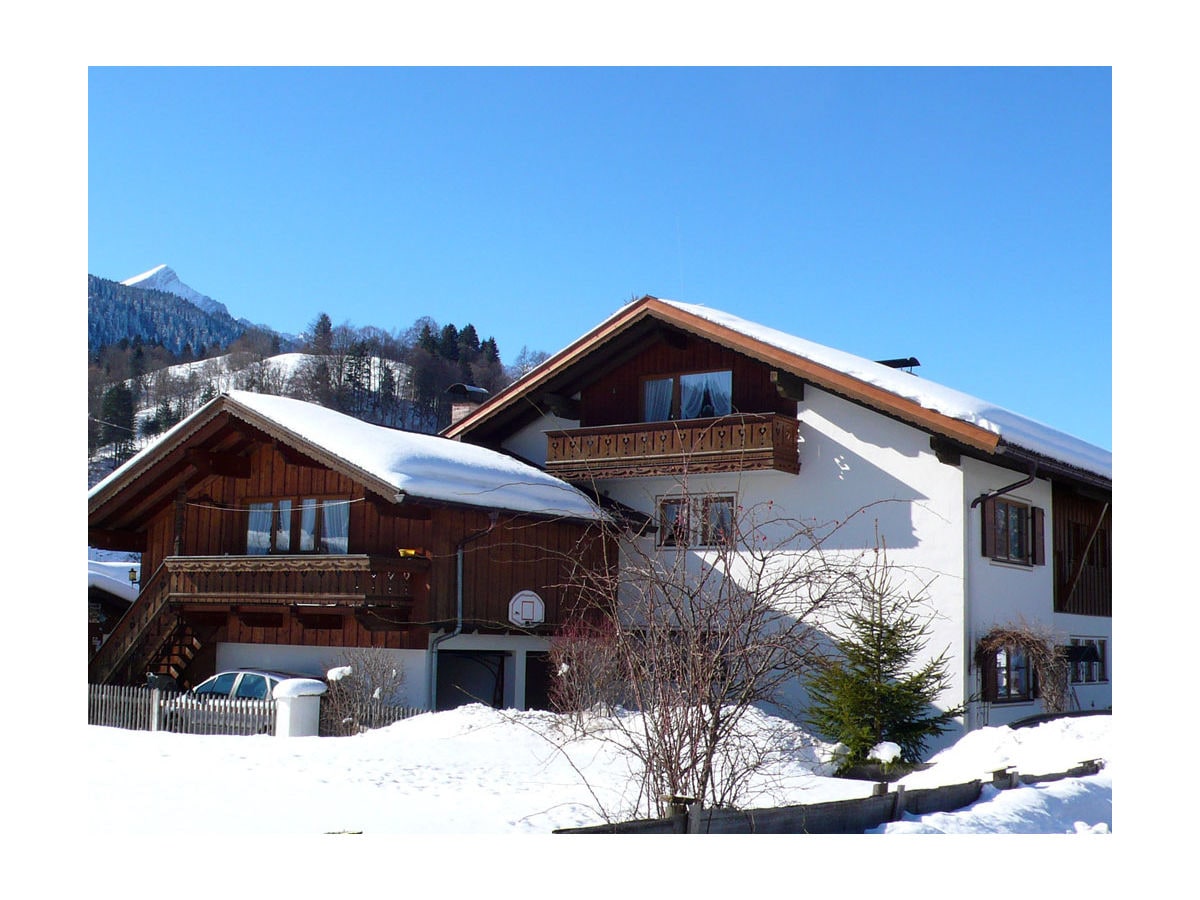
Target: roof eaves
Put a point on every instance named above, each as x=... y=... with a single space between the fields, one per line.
x=836 y=382
x=625 y=317
x=107 y=489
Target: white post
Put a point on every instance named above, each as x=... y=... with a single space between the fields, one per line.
x=298 y=707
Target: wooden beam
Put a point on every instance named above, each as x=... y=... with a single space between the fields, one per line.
x=106 y=539
x=563 y=407
x=208 y=463
x=945 y=451
x=788 y=385
x=294 y=457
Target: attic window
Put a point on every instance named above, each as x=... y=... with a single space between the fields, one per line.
x=695 y=395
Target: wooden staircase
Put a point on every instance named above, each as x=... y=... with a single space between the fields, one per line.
x=151 y=637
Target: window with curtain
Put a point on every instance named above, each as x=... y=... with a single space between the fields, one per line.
x=283 y=527
x=659 y=396
x=335 y=526
x=323 y=526
x=705 y=395
x=258 y=533
x=696 y=395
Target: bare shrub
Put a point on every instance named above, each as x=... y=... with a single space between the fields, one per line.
x=368 y=678
x=691 y=638
x=587 y=672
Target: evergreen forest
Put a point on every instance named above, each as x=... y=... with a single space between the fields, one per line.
x=155 y=359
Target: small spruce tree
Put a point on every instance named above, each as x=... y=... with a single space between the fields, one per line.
x=871 y=692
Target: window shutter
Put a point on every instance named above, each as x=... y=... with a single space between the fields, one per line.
x=1037 y=536
x=989 y=527
x=988 y=672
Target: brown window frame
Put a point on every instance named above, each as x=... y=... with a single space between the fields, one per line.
x=997 y=543
x=696 y=529
x=675 y=414
x=991 y=677
x=295 y=519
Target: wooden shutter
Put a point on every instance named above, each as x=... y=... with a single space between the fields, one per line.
x=1037 y=536
x=989 y=527
x=988 y=673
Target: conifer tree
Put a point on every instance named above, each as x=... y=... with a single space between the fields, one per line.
x=448 y=345
x=873 y=693
x=116 y=427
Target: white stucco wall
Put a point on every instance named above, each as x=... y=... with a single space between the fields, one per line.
x=882 y=473
x=870 y=472
x=1003 y=594
x=530 y=442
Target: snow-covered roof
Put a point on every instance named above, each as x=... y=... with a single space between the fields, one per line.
x=419 y=465
x=113 y=578
x=1013 y=429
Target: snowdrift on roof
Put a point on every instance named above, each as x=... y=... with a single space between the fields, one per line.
x=1011 y=427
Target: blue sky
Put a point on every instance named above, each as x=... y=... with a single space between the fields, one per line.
x=963 y=216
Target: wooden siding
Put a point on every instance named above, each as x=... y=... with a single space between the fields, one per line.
x=1082 y=570
x=201 y=587
x=517 y=554
x=616 y=398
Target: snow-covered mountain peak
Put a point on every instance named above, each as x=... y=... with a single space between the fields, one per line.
x=163 y=278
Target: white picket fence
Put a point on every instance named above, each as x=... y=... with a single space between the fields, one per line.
x=157 y=709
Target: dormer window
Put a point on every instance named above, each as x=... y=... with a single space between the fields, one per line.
x=695 y=395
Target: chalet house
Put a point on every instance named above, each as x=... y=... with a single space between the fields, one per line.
x=275 y=533
x=1007 y=520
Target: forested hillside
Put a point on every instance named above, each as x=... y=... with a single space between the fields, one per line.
x=137 y=389
x=117 y=311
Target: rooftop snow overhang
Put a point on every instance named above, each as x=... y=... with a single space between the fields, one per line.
x=555 y=375
x=108 y=494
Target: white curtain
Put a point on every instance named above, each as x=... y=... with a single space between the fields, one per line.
x=705 y=395
x=258 y=535
x=336 y=527
x=283 y=527
x=658 y=399
x=308 y=525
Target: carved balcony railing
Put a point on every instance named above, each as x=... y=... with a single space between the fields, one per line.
x=734 y=443
x=364 y=584
x=289 y=580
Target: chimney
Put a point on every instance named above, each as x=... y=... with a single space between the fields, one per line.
x=464 y=400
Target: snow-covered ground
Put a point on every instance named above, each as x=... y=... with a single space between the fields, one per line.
x=475 y=770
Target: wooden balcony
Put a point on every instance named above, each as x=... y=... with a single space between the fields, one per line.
x=290 y=580
x=380 y=591
x=735 y=443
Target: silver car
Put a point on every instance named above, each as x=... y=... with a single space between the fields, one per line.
x=235 y=702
